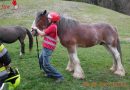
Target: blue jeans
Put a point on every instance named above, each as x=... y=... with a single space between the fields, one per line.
x=44 y=61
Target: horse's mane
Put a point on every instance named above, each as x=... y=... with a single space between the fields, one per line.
x=67 y=23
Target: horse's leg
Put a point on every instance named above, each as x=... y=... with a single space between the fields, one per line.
x=75 y=63
x=22 y=49
x=114 y=66
x=119 y=67
x=70 y=66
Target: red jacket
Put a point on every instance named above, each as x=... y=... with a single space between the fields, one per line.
x=50 y=39
x=14 y=3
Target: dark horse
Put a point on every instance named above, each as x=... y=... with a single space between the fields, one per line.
x=73 y=34
x=13 y=33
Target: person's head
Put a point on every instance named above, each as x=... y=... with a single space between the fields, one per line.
x=43 y=19
x=53 y=17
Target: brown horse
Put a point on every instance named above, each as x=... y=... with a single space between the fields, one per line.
x=73 y=34
x=14 y=33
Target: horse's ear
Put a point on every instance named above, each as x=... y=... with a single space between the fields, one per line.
x=45 y=11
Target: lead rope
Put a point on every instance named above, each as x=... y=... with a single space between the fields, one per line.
x=38 y=51
x=37 y=48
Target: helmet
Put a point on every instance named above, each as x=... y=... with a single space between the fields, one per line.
x=54 y=16
x=13 y=78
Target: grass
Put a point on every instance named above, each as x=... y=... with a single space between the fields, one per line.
x=95 y=61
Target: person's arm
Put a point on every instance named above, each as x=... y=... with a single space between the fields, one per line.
x=41 y=33
x=47 y=31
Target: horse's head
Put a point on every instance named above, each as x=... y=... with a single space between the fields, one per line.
x=41 y=21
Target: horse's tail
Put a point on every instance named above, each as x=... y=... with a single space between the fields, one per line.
x=30 y=39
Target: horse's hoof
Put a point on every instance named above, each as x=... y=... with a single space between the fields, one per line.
x=78 y=76
x=20 y=54
x=112 y=69
x=120 y=72
x=69 y=69
x=21 y=57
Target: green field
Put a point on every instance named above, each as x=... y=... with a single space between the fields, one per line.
x=95 y=61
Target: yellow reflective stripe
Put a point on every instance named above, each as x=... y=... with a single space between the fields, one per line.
x=2 y=69
x=1 y=47
x=17 y=76
x=50 y=43
x=50 y=38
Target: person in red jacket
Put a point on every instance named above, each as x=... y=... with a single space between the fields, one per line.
x=14 y=3
x=49 y=44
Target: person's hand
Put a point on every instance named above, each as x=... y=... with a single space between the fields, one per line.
x=34 y=31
